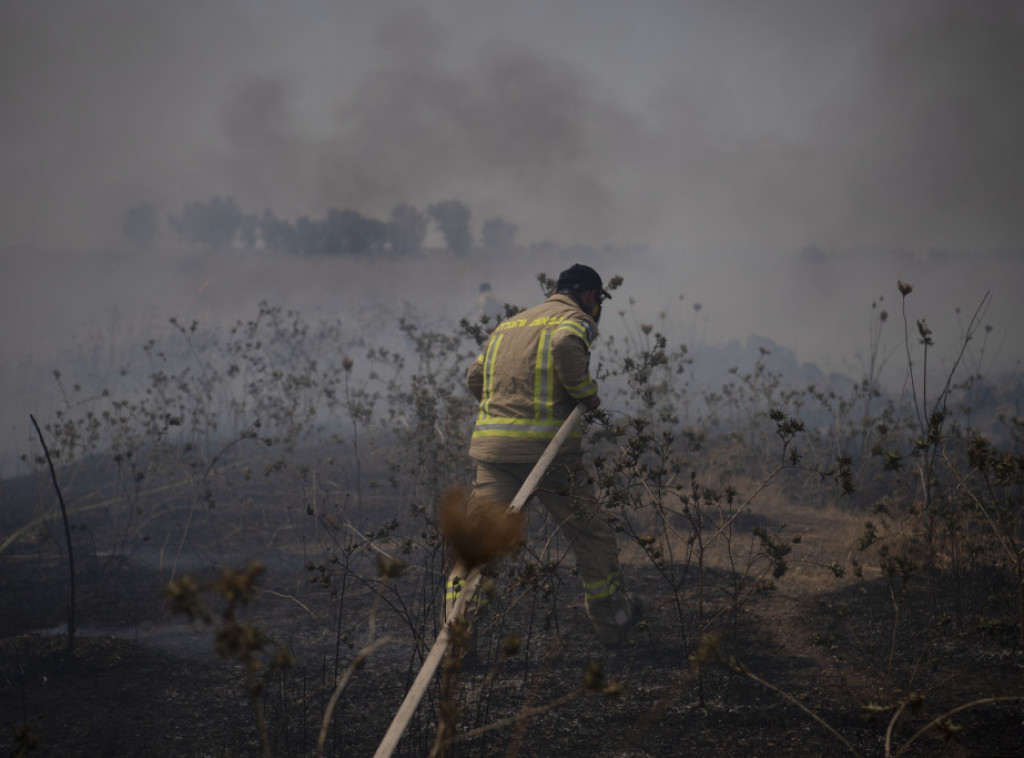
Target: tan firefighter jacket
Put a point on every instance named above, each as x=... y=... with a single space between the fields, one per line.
x=534 y=369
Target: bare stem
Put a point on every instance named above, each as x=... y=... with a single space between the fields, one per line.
x=67 y=537
x=939 y=719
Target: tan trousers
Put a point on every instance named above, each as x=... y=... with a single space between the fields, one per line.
x=570 y=501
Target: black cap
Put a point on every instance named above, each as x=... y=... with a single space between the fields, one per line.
x=580 y=278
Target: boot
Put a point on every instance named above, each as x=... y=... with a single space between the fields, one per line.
x=614 y=617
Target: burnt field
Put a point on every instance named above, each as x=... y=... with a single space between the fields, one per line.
x=257 y=568
x=142 y=679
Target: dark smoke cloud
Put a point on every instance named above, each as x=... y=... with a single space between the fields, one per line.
x=699 y=125
x=516 y=130
x=265 y=153
x=929 y=141
x=900 y=135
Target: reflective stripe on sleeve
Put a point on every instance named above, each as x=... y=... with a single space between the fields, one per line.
x=577 y=329
x=582 y=390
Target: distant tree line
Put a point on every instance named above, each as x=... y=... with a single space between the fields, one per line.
x=219 y=222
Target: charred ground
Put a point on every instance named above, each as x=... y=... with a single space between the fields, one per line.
x=142 y=680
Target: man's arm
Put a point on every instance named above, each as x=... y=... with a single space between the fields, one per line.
x=571 y=352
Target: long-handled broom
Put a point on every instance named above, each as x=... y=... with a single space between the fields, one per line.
x=419 y=686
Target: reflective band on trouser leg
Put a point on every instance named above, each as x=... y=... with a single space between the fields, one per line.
x=454 y=587
x=452 y=590
x=603 y=588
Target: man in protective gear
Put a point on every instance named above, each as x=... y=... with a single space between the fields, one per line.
x=534 y=370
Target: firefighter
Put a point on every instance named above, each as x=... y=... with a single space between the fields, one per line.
x=534 y=370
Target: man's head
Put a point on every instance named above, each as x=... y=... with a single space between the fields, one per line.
x=579 y=278
x=586 y=287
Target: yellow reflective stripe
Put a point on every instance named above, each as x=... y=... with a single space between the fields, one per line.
x=549 y=409
x=488 y=391
x=549 y=423
x=519 y=427
x=577 y=329
x=583 y=389
x=538 y=374
x=521 y=434
x=603 y=588
x=454 y=588
x=544 y=378
x=519 y=424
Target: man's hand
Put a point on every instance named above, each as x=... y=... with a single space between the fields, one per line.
x=592 y=403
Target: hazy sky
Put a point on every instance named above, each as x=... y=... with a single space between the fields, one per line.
x=728 y=136
x=770 y=124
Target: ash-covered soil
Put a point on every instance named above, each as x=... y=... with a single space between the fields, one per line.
x=142 y=681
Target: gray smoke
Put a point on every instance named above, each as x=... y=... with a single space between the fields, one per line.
x=711 y=125
x=881 y=138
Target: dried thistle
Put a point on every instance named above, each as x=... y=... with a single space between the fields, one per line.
x=593 y=679
x=185 y=597
x=512 y=645
x=905 y=289
x=950 y=731
x=481 y=535
x=871 y=711
x=238 y=586
x=612 y=689
x=389 y=567
x=708 y=651
x=924 y=331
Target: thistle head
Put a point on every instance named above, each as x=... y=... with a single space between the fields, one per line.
x=479 y=535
